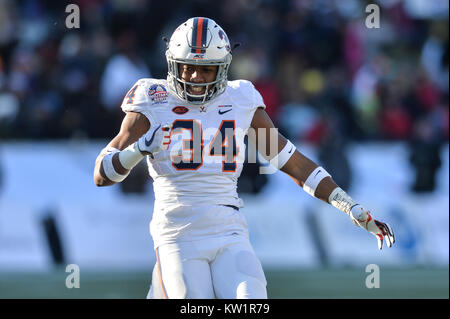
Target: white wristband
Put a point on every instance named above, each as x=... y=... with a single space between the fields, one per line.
x=282 y=157
x=130 y=156
x=339 y=199
x=314 y=179
x=108 y=167
x=109 y=150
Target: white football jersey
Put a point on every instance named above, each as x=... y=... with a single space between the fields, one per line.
x=204 y=159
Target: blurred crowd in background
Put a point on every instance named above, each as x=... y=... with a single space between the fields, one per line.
x=325 y=77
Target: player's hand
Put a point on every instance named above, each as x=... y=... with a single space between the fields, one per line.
x=362 y=218
x=167 y=131
x=155 y=140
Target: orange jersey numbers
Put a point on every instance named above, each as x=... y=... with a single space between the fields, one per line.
x=194 y=145
x=223 y=144
x=130 y=95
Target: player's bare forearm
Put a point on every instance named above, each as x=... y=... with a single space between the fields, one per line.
x=100 y=178
x=133 y=126
x=298 y=167
x=314 y=179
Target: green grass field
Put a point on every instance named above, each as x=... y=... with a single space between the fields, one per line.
x=297 y=284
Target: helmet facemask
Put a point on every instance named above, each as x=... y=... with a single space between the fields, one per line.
x=213 y=89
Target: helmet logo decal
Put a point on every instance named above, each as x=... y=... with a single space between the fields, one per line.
x=223 y=36
x=199 y=33
x=158 y=93
x=198 y=56
x=180 y=110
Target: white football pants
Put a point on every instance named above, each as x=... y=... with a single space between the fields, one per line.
x=224 y=267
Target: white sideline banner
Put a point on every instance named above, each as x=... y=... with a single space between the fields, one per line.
x=23 y=246
x=278 y=234
x=420 y=226
x=114 y=236
x=102 y=228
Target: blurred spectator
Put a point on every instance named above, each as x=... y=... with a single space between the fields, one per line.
x=137 y=180
x=251 y=181
x=306 y=58
x=333 y=157
x=122 y=70
x=365 y=96
x=395 y=121
x=1 y=175
x=299 y=121
x=434 y=55
x=9 y=105
x=425 y=156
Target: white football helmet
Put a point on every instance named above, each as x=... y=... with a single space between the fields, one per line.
x=199 y=41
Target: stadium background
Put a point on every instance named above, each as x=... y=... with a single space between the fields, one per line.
x=370 y=105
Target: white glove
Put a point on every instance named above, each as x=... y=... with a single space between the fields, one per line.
x=155 y=140
x=361 y=217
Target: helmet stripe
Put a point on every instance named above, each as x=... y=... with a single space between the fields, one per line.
x=198 y=40
x=199 y=33
x=204 y=32
x=194 y=35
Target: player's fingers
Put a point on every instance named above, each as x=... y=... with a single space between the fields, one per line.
x=166 y=134
x=390 y=237
x=165 y=146
x=167 y=127
x=387 y=231
x=381 y=226
x=380 y=241
x=388 y=241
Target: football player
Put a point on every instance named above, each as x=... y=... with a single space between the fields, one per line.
x=191 y=128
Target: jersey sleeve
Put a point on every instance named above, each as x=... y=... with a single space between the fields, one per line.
x=257 y=98
x=249 y=100
x=249 y=96
x=137 y=100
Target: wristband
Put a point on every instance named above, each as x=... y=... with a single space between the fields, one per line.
x=130 y=156
x=339 y=199
x=282 y=157
x=108 y=166
x=314 y=179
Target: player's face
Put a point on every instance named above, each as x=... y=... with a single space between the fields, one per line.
x=198 y=74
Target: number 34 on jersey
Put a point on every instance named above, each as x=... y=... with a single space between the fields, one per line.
x=207 y=139
x=190 y=151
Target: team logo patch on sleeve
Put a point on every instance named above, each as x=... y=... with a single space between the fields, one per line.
x=180 y=110
x=158 y=93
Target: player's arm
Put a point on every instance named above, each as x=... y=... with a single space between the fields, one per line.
x=297 y=166
x=314 y=179
x=134 y=125
x=136 y=139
